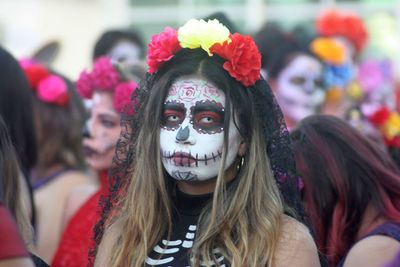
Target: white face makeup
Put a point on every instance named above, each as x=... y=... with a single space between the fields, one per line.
x=299 y=89
x=192 y=131
x=104 y=129
x=125 y=52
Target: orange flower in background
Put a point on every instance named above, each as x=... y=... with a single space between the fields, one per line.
x=327 y=49
x=343 y=23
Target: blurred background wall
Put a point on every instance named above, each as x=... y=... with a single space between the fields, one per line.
x=26 y=25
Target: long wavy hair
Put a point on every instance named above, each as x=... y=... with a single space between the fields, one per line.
x=10 y=187
x=242 y=221
x=59 y=132
x=344 y=172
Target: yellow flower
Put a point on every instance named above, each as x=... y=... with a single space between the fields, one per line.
x=198 y=33
x=391 y=128
x=354 y=91
x=328 y=50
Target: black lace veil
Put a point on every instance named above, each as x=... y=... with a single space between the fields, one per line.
x=276 y=137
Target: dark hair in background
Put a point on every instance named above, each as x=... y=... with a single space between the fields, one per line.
x=16 y=110
x=224 y=19
x=59 y=132
x=343 y=173
x=10 y=187
x=9 y=171
x=111 y=37
x=278 y=47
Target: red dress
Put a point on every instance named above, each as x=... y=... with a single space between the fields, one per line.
x=77 y=238
x=11 y=244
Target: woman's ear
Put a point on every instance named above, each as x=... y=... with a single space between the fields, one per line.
x=242 y=149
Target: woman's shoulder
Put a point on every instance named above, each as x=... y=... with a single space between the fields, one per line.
x=295 y=247
x=375 y=250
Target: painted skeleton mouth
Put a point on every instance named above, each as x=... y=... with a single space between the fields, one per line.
x=187 y=159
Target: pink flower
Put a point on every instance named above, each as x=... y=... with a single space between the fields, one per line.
x=122 y=97
x=105 y=76
x=84 y=85
x=53 y=90
x=162 y=48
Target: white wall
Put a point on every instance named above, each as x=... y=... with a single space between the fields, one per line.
x=27 y=24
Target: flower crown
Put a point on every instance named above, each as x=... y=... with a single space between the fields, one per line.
x=346 y=24
x=48 y=87
x=388 y=122
x=243 y=60
x=106 y=76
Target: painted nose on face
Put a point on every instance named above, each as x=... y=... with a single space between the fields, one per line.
x=183 y=136
x=85 y=131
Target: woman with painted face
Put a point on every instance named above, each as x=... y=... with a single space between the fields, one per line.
x=293 y=71
x=60 y=168
x=199 y=183
x=109 y=92
x=351 y=192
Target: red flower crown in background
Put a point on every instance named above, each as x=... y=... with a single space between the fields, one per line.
x=48 y=87
x=343 y=23
x=243 y=60
x=106 y=76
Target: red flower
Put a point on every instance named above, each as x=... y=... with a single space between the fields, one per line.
x=380 y=116
x=346 y=24
x=243 y=59
x=122 y=97
x=35 y=73
x=105 y=75
x=84 y=85
x=395 y=142
x=162 y=48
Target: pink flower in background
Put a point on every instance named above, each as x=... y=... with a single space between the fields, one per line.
x=53 y=90
x=370 y=75
x=122 y=97
x=105 y=75
x=84 y=85
x=162 y=48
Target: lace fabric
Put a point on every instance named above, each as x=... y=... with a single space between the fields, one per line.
x=276 y=137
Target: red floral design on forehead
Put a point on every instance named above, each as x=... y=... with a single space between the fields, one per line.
x=243 y=60
x=106 y=76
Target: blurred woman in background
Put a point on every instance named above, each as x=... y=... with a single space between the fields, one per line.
x=59 y=119
x=351 y=192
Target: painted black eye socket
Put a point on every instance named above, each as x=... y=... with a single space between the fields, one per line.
x=172 y=118
x=298 y=80
x=208 y=119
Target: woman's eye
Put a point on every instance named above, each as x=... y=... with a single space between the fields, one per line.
x=108 y=123
x=297 y=80
x=172 y=117
x=208 y=118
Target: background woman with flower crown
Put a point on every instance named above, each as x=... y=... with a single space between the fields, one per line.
x=293 y=70
x=210 y=143
x=110 y=93
x=58 y=118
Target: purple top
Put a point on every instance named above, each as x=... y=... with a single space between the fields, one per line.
x=389 y=229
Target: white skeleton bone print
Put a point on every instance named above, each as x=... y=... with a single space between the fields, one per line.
x=167 y=254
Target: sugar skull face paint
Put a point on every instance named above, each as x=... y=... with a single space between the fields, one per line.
x=299 y=88
x=192 y=131
x=104 y=129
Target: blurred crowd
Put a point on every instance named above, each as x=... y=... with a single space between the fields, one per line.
x=60 y=139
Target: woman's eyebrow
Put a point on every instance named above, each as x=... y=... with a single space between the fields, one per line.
x=174 y=105
x=208 y=106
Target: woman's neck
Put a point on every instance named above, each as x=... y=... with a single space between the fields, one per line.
x=370 y=220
